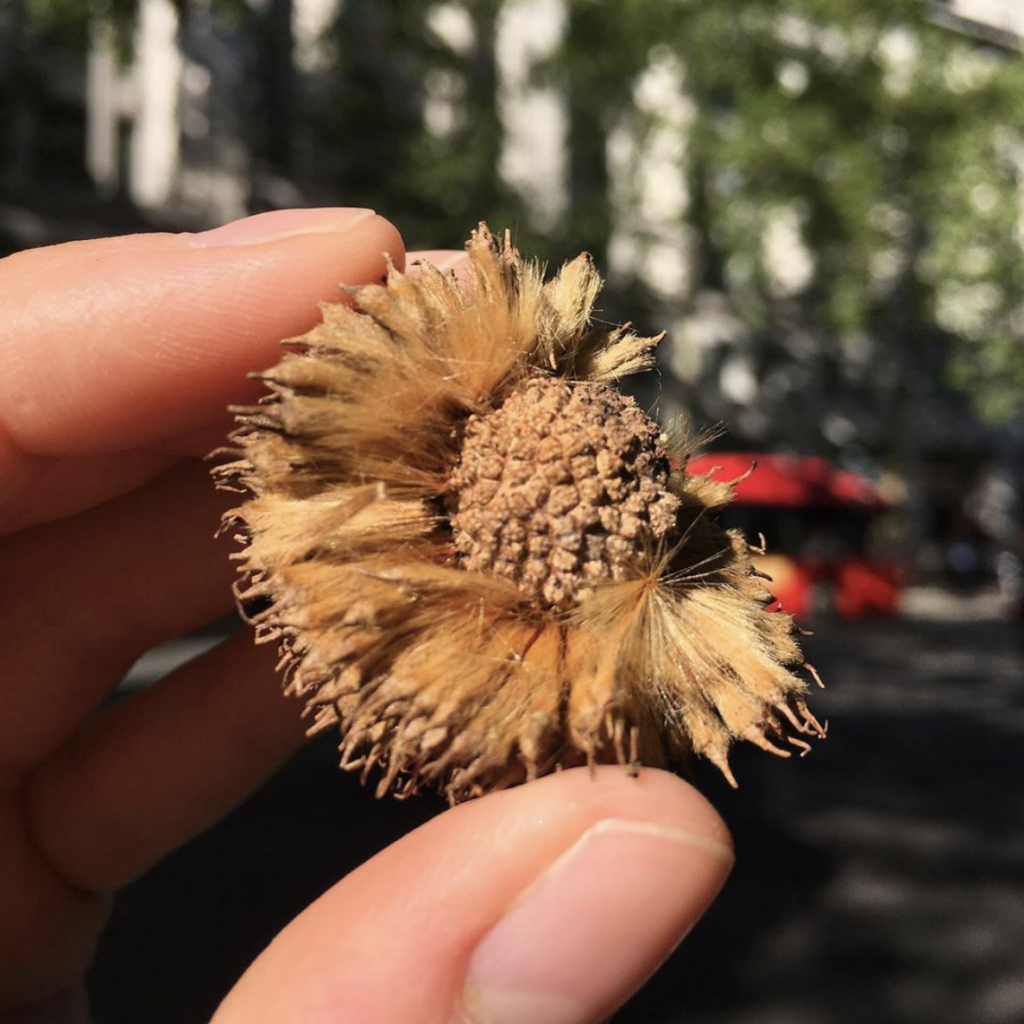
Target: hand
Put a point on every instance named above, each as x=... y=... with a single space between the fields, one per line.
x=547 y=903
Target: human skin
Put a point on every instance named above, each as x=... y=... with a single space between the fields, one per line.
x=549 y=903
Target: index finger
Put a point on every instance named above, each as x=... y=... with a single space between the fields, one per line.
x=116 y=344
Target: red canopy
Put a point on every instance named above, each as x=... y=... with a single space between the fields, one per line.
x=790 y=481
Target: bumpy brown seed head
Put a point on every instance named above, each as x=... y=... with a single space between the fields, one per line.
x=559 y=487
x=479 y=561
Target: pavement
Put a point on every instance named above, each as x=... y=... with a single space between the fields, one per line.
x=880 y=880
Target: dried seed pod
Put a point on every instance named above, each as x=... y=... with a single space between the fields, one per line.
x=555 y=486
x=476 y=555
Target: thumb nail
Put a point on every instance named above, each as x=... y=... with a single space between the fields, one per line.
x=277 y=224
x=595 y=925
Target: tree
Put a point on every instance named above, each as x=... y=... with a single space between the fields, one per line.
x=883 y=152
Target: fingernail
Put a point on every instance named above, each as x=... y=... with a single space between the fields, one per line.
x=269 y=227
x=595 y=925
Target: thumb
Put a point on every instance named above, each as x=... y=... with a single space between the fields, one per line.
x=549 y=903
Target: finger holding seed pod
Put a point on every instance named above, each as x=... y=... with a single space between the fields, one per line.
x=481 y=561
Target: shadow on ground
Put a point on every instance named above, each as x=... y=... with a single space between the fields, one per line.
x=879 y=880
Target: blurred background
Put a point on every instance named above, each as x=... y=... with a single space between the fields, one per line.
x=822 y=201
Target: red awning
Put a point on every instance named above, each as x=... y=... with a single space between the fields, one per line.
x=790 y=481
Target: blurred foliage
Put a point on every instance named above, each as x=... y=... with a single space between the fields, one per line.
x=68 y=21
x=896 y=144
x=369 y=128
x=889 y=149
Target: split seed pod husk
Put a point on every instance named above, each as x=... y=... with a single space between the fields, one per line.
x=480 y=561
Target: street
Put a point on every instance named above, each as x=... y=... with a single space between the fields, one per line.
x=880 y=879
